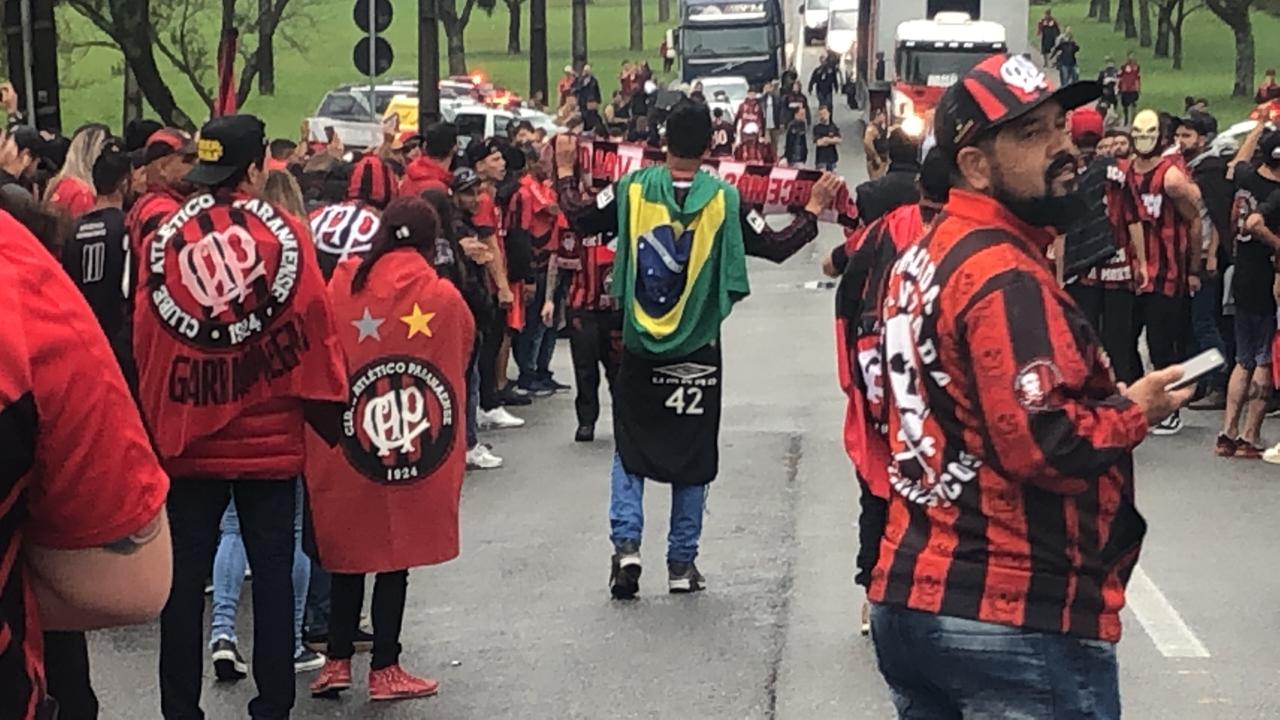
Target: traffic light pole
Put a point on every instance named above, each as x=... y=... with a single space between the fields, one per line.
x=538 y=49
x=373 y=60
x=428 y=64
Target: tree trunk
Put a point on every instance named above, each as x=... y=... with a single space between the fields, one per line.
x=513 y=27
x=129 y=26
x=664 y=10
x=637 y=26
x=579 y=33
x=538 y=81
x=1104 y=11
x=1164 y=22
x=456 y=46
x=1124 y=19
x=1242 y=30
x=132 y=97
x=1177 y=45
x=1093 y=9
x=266 y=51
x=1144 y=23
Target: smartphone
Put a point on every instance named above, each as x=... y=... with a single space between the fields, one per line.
x=1197 y=367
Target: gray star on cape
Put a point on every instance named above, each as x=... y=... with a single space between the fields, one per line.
x=367 y=326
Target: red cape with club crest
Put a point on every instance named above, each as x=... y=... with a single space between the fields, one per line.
x=230 y=314
x=385 y=497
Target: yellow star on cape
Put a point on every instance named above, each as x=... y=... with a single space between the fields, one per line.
x=418 y=321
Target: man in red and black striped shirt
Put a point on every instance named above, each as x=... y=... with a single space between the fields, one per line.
x=1011 y=529
x=1168 y=207
x=593 y=315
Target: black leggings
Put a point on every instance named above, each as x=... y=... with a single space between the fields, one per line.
x=388 y=615
x=490 y=348
x=1111 y=313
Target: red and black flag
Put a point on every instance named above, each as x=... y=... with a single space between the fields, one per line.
x=225 y=104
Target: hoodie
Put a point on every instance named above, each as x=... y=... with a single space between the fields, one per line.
x=425 y=174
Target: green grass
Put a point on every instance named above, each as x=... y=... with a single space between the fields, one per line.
x=92 y=89
x=1208 y=62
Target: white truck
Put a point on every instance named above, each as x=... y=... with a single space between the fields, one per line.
x=897 y=39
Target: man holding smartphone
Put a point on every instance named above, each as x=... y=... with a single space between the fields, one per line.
x=1012 y=528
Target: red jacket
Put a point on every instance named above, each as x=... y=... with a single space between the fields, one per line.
x=425 y=174
x=73 y=195
x=1012 y=448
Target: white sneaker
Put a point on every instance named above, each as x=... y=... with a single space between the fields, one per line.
x=1272 y=455
x=498 y=418
x=481 y=457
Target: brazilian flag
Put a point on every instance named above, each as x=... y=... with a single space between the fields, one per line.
x=679 y=267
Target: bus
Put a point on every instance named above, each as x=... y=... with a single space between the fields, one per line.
x=732 y=37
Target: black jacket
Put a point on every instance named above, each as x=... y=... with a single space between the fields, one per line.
x=1218 y=193
x=895 y=188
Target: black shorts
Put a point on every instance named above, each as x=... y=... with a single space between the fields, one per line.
x=1128 y=99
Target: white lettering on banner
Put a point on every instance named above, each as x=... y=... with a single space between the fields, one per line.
x=395 y=419
x=218 y=268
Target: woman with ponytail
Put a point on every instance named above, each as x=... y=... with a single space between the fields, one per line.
x=385 y=478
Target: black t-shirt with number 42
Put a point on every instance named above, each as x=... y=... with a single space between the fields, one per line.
x=666 y=416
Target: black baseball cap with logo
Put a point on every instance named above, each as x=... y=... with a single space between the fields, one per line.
x=996 y=91
x=228 y=145
x=1270 y=147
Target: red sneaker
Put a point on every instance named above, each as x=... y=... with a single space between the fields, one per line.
x=1225 y=446
x=1247 y=450
x=393 y=683
x=334 y=677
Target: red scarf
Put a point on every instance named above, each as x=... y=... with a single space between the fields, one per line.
x=386 y=496
x=230 y=312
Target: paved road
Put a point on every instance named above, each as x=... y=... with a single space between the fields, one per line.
x=521 y=626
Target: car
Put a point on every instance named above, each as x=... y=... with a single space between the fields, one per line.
x=350 y=112
x=475 y=120
x=727 y=91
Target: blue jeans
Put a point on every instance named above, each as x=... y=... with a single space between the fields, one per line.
x=228 y=575
x=626 y=513
x=527 y=346
x=1068 y=74
x=1206 y=311
x=947 y=668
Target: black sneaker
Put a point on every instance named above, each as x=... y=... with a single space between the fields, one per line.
x=585 y=433
x=307 y=661
x=227 y=663
x=509 y=397
x=556 y=385
x=624 y=579
x=683 y=577
x=1171 y=425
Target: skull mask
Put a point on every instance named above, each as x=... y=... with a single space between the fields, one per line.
x=1146 y=133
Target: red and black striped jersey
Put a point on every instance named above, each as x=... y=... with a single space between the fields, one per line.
x=1116 y=273
x=1163 y=228
x=590 y=259
x=1011 y=447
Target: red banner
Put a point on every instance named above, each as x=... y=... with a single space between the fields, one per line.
x=770 y=188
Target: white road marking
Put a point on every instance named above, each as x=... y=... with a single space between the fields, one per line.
x=1161 y=620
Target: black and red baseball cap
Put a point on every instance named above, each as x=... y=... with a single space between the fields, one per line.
x=165 y=142
x=996 y=91
x=371 y=182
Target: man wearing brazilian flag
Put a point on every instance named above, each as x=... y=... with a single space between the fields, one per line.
x=682 y=241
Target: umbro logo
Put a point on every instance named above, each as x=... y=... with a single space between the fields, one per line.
x=686 y=370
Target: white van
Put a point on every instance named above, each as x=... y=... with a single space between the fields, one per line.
x=815 y=19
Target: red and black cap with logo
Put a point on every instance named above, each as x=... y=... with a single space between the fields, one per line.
x=371 y=182
x=996 y=91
